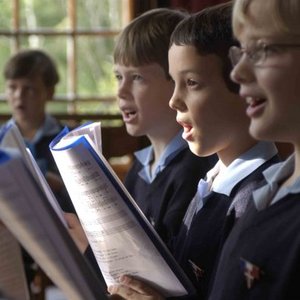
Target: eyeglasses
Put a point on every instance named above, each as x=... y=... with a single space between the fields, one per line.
x=258 y=55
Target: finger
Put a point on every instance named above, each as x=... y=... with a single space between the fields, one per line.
x=72 y=220
x=137 y=285
x=115 y=297
x=124 y=292
x=141 y=289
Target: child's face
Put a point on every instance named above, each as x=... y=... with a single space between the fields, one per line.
x=213 y=118
x=271 y=87
x=143 y=96
x=27 y=98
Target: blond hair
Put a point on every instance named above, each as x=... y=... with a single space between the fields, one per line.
x=284 y=13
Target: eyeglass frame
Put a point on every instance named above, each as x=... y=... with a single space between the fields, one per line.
x=264 y=48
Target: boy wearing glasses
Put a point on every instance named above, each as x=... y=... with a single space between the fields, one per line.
x=261 y=257
x=213 y=117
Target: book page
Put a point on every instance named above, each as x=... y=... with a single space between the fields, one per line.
x=92 y=130
x=12 y=276
x=118 y=241
x=29 y=216
x=12 y=139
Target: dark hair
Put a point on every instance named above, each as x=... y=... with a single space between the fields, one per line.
x=146 y=39
x=210 y=31
x=30 y=63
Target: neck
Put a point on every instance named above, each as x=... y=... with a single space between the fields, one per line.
x=160 y=142
x=28 y=128
x=228 y=155
x=296 y=172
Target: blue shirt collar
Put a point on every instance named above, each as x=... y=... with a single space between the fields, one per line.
x=272 y=192
x=145 y=156
x=222 y=179
x=244 y=165
x=50 y=127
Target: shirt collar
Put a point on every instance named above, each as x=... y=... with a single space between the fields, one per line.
x=50 y=127
x=145 y=157
x=222 y=179
x=274 y=175
x=243 y=166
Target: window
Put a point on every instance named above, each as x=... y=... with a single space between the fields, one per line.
x=79 y=35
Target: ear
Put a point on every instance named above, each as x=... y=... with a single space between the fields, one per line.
x=50 y=93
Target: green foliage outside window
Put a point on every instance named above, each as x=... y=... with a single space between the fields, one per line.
x=94 y=52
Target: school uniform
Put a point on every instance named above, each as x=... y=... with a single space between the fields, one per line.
x=261 y=257
x=39 y=147
x=165 y=195
x=225 y=192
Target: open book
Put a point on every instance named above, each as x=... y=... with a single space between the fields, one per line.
x=31 y=213
x=122 y=239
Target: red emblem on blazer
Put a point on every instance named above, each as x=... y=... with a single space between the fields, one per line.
x=251 y=272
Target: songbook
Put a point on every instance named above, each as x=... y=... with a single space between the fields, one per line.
x=31 y=213
x=122 y=239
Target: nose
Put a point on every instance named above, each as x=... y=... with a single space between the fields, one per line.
x=242 y=72
x=176 y=101
x=123 y=89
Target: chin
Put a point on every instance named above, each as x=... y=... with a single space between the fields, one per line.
x=133 y=131
x=194 y=147
x=259 y=132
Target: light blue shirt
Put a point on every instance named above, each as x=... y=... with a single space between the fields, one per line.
x=50 y=127
x=222 y=179
x=146 y=155
x=275 y=175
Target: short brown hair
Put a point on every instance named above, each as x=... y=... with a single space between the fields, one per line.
x=146 y=39
x=30 y=63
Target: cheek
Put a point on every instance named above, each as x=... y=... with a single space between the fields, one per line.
x=203 y=119
x=281 y=83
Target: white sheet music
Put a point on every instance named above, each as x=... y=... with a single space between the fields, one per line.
x=119 y=243
x=25 y=210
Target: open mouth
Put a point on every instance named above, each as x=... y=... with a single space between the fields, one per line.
x=253 y=102
x=187 y=130
x=255 y=106
x=128 y=115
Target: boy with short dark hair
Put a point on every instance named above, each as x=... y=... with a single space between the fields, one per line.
x=30 y=80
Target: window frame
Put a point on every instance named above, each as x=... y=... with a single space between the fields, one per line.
x=72 y=98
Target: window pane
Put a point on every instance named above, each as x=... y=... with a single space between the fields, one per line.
x=57 y=107
x=5 y=14
x=4 y=109
x=95 y=69
x=43 y=14
x=97 y=107
x=4 y=54
x=101 y=13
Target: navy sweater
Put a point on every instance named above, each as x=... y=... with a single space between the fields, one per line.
x=270 y=241
x=165 y=200
x=197 y=248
